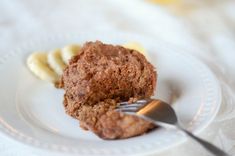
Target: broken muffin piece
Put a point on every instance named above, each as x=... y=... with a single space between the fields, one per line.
x=99 y=77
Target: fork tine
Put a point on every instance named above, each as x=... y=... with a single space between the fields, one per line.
x=139 y=102
x=124 y=103
x=126 y=109
x=136 y=105
x=142 y=101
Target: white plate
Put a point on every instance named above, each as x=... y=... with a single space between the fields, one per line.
x=31 y=110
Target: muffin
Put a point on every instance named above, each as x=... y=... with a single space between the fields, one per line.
x=100 y=77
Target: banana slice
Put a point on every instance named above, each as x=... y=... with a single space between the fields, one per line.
x=69 y=51
x=37 y=63
x=55 y=61
x=136 y=46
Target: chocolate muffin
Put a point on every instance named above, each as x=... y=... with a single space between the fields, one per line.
x=99 y=77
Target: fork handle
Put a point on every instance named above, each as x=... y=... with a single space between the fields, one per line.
x=210 y=147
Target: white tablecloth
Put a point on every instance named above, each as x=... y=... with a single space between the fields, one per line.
x=204 y=28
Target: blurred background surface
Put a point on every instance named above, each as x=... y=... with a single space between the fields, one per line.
x=204 y=28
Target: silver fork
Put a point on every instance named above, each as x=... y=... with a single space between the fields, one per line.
x=162 y=114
